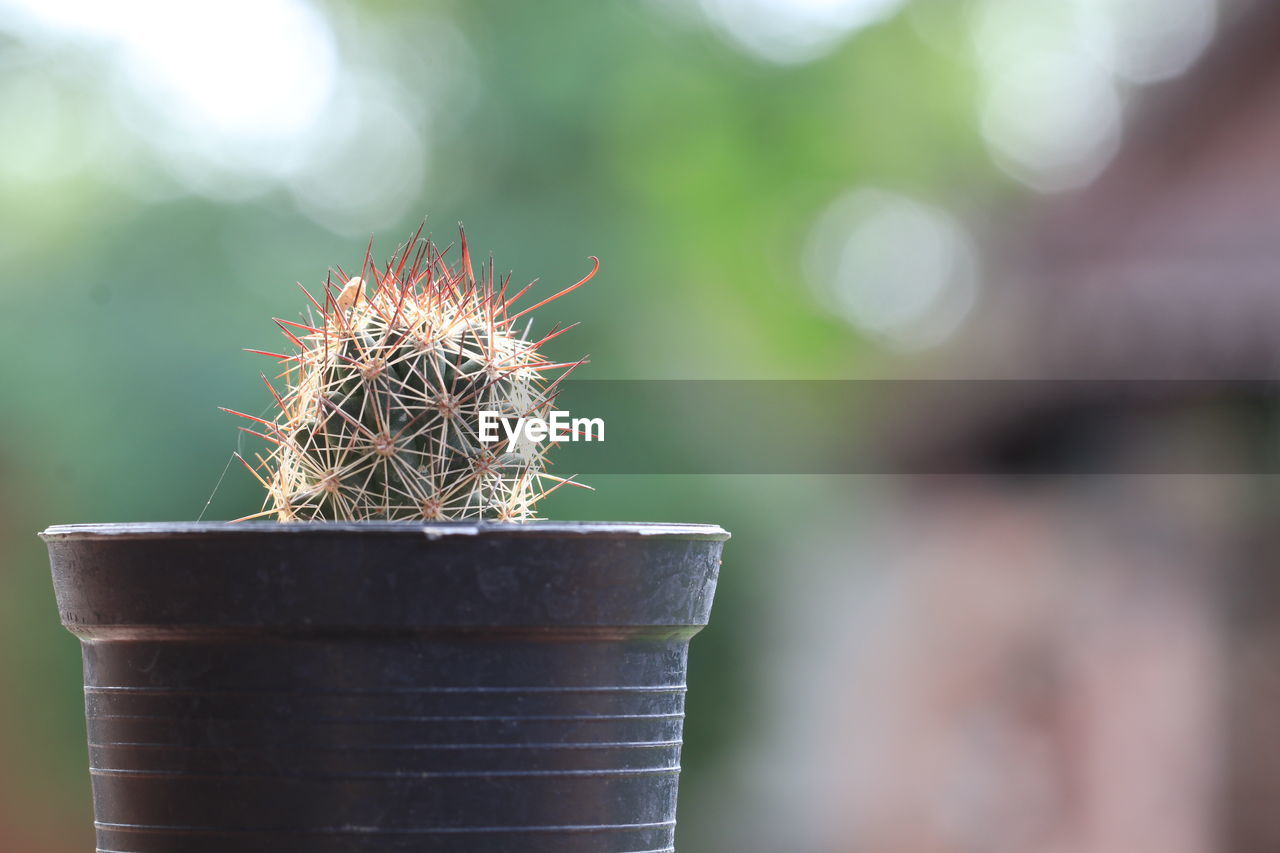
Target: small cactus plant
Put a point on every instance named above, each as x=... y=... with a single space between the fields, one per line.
x=378 y=417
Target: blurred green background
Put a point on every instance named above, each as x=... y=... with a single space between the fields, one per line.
x=168 y=171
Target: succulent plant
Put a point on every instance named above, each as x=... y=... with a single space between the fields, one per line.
x=379 y=413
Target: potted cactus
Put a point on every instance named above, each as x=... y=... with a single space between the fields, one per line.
x=403 y=658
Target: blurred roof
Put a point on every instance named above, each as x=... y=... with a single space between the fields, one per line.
x=1169 y=264
x=1166 y=267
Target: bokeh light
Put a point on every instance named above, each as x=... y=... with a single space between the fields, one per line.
x=1146 y=41
x=206 y=77
x=898 y=269
x=1055 y=77
x=231 y=110
x=791 y=31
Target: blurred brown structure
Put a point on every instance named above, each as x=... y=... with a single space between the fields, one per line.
x=1170 y=267
x=1091 y=664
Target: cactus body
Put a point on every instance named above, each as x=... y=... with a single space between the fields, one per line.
x=379 y=414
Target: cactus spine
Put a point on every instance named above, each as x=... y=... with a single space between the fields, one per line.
x=378 y=417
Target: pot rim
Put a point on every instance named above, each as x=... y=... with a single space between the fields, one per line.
x=431 y=529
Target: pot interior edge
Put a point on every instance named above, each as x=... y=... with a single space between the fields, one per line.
x=429 y=529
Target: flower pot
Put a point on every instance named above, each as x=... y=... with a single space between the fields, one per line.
x=324 y=687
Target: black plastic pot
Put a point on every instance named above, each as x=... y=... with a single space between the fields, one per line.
x=265 y=688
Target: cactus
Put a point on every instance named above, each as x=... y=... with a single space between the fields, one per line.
x=379 y=414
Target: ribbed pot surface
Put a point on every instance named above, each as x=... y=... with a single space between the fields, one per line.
x=269 y=688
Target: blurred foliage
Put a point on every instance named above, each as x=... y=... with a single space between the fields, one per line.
x=622 y=130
